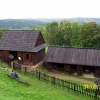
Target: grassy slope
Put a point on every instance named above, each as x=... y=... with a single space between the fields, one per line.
x=38 y=90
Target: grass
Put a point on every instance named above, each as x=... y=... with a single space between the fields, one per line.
x=46 y=49
x=3 y=64
x=10 y=89
x=43 y=69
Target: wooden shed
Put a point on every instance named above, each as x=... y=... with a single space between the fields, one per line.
x=70 y=60
x=27 y=46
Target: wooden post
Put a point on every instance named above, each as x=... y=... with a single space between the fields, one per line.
x=44 y=77
x=97 y=72
x=25 y=70
x=79 y=70
x=67 y=69
x=74 y=87
x=1 y=63
x=13 y=66
x=39 y=75
x=62 y=83
x=96 y=93
x=53 y=80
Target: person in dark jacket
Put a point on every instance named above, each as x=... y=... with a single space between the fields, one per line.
x=15 y=75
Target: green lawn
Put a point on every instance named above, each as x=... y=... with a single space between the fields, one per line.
x=10 y=89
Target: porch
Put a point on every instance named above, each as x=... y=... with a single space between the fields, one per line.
x=78 y=70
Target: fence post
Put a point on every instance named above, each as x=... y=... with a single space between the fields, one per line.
x=13 y=65
x=44 y=77
x=39 y=75
x=62 y=83
x=53 y=80
x=96 y=93
x=74 y=87
x=25 y=70
x=1 y=63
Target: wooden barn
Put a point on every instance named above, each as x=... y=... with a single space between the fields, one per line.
x=27 y=46
x=71 y=60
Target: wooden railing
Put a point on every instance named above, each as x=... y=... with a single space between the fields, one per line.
x=8 y=61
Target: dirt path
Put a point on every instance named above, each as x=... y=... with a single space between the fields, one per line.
x=59 y=75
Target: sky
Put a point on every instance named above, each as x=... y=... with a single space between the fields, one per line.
x=19 y=9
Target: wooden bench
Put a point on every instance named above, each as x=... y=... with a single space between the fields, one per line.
x=18 y=80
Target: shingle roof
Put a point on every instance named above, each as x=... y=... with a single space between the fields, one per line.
x=77 y=56
x=19 y=40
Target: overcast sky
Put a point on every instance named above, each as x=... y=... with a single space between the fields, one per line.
x=49 y=8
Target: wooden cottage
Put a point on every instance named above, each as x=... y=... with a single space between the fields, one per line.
x=71 y=60
x=27 y=46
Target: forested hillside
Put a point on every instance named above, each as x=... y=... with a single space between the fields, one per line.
x=20 y=23
x=29 y=23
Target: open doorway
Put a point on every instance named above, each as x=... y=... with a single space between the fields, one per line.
x=58 y=67
x=14 y=53
x=88 y=69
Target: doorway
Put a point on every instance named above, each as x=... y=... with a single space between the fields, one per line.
x=14 y=53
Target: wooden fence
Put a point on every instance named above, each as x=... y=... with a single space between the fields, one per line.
x=8 y=61
x=80 y=89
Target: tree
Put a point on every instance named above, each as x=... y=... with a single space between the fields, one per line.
x=2 y=31
x=65 y=30
x=75 y=34
x=51 y=32
x=90 y=35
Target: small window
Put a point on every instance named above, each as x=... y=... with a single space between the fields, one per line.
x=27 y=56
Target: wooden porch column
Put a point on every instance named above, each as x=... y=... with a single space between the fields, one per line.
x=97 y=72
x=79 y=70
x=67 y=69
x=50 y=66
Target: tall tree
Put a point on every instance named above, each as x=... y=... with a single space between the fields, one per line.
x=90 y=35
x=65 y=30
x=75 y=34
x=51 y=32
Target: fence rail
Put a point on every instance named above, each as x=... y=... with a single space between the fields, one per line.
x=90 y=92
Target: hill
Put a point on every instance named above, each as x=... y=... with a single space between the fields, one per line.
x=29 y=23
x=38 y=90
x=20 y=23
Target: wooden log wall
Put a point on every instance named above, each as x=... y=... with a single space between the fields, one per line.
x=50 y=66
x=97 y=72
x=38 y=56
x=40 y=40
x=79 y=70
x=5 y=54
x=67 y=69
